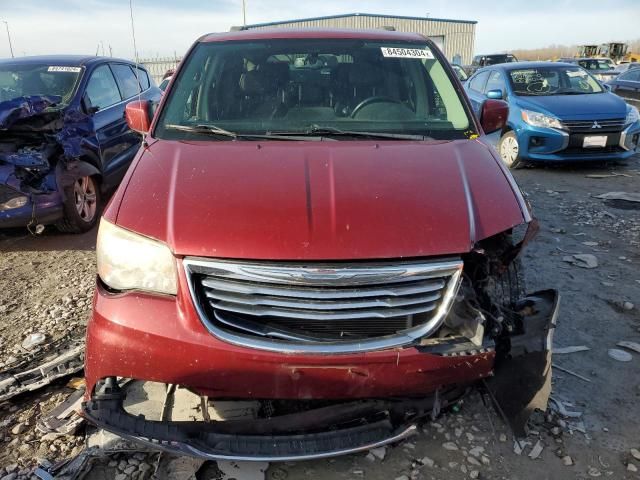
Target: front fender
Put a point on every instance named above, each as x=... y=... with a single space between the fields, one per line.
x=68 y=172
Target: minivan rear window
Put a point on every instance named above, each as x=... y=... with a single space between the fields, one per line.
x=293 y=85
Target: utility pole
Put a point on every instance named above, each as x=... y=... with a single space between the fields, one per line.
x=244 y=13
x=6 y=24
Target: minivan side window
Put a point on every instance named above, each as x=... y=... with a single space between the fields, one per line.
x=477 y=83
x=495 y=82
x=102 y=89
x=126 y=80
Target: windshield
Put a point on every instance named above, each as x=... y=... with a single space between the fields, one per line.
x=596 y=64
x=553 y=80
x=23 y=80
x=462 y=75
x=496 y=59
x=299 y=86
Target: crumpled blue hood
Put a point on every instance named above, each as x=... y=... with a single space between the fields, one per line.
x=17 y=109
x=72 y=127
x=592 y=106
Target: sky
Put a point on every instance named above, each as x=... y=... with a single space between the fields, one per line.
x=164 y=27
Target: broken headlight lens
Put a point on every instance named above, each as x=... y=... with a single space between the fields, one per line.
x=15 y=202
x=129 y=261
x=537 y=119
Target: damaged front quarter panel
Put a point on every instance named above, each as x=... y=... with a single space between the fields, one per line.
x=522 y=380
x=41 y=145
x=492 y=313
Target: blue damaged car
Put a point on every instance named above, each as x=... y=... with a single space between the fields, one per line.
x=64 y=140
x=557 y=112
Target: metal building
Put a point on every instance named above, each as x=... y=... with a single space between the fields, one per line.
x=454 y=37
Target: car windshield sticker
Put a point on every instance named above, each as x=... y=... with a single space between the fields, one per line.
x=525 y=76
x=576 y=73
x=395 y=52
x=64 y=69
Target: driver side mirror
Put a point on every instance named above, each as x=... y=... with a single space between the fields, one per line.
x=606 y=86
x=494 y=115
x=495 y=94
x=137 y=114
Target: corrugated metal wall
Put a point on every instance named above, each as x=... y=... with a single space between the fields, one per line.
x=458 y=36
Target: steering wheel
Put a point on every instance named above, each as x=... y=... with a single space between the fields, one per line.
x=371 y=101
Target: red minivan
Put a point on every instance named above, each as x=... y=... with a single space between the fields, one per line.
x=315 y=223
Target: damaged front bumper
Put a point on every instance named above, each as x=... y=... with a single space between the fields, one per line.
x=415 y=382
x=317 y=433
x=19 y=209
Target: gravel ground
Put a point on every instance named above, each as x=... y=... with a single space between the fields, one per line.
x=47 y=282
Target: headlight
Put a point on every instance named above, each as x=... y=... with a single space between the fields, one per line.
x=128 y=261
x=632 y=115
x=537 y=119
x=15 y=202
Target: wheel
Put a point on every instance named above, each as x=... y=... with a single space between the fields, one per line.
x=81 y=206
x=509 y=150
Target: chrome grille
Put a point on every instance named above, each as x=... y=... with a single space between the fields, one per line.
x=312 y=306
x=587 y=126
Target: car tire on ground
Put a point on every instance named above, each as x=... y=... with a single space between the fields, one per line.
x=81 y=206
x=509 y=150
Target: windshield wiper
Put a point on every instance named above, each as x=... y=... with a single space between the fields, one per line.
x=326 y=131
x=215 y=130
x=574 y=92
x=206 y=129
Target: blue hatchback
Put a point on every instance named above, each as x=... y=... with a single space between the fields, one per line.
x=557 y=112
x=64 y=139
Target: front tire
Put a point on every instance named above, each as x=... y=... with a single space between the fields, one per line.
x=509 y=150
x=81 y=206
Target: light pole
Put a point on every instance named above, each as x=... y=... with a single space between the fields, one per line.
x=6 y=24
x=244 y=13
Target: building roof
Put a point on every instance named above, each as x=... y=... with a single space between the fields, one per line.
x=311 y=33
x=345 y=15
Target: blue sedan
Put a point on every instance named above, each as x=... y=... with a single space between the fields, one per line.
x=64 y=140
x=557 y=112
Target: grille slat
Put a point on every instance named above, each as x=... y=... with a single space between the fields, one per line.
x=587 y=126
x=338 y=304
x=250 y=288
x=323 y=303
x=305 y=314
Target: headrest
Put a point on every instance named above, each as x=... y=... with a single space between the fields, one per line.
x=253 y=82
x=276 y=72
x=364 y=74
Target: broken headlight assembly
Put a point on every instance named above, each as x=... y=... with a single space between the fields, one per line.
x=15 y=202
x=130 y=261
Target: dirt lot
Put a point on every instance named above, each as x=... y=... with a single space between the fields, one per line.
x=46 y=286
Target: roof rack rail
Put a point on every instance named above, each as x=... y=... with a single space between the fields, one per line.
x=388 y=27
x=238 y=28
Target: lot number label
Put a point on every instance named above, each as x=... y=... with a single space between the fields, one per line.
x=394 y=52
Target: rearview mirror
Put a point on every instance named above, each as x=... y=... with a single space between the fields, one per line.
x=494 y=115
x=138 y=116
x=495 y=94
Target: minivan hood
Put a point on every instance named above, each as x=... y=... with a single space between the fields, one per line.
x=329 y=200
x=595 y=106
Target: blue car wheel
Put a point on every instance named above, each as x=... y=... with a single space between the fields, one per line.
x=509 y=150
